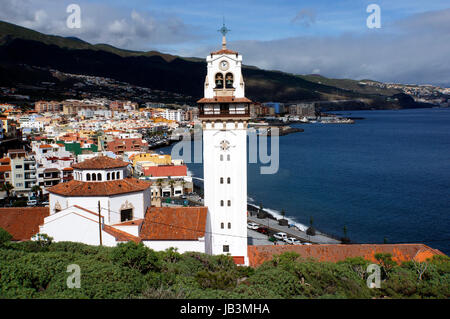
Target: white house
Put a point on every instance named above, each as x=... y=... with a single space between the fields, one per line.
x=103 y=196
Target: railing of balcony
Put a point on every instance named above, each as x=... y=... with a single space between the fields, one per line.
x=213 y=112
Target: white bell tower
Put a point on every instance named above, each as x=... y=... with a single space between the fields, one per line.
x=224 y=112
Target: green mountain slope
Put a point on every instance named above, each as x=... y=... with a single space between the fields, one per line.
x=156 y=70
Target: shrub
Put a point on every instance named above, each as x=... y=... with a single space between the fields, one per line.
x=5 y=237
x=135 y=256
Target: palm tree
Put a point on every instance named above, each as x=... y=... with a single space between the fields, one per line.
x=37 y=190
x=171 y=183
x=183 y=183
x=7 y=187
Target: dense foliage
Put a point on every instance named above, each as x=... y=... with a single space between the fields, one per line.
x=38 y=269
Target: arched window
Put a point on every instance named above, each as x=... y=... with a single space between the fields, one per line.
x=88 y=176
x=228 y=157
x=118 y=175
x=229 y=203
x=221 y=180
x=219 y=81
x=99 y=176
x=221 y=203
x=228 y=180
x=94 y=177
x=108 y=176
x=229 y=80
x=229 y=225
x=221 y=157
x=221 y=225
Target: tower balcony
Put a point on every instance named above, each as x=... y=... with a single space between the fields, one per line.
x=224 y=107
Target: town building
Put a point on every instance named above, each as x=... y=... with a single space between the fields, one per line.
x=224 y=113
x=23 y=172
x=48 y=106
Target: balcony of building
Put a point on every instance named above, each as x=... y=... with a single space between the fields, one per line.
x=224 y=110
x=51 y=174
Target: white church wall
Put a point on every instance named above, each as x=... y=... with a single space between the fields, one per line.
x=181 y=245
x=111 y=206
x=235 y=64
x=234 y=167
x=76 y=226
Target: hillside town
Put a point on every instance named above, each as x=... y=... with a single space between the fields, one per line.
x=88 y=170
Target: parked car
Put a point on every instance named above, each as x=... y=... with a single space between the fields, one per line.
x=252 y=226
x=292 y=241
x=262 y=230
x=31 y=202
x=280 y=236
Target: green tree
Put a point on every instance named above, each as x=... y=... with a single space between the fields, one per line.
x=7 y=187
x=135 y=256
x=5 y=237
x=37 y=190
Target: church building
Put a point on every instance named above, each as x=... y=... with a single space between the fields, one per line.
x=224 y=112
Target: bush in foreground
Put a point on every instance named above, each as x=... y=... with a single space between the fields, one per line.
x=33 y=270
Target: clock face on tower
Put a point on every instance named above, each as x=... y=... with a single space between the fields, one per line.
x=224 y=145
x=224 y=65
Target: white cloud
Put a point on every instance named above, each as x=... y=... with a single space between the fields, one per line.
x=100 y=23
x=414 y=50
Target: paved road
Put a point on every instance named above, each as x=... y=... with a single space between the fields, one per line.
x=273 y=225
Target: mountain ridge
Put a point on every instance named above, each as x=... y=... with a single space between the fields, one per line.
x=156 y=70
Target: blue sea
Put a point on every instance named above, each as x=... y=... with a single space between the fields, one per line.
x=386 y=177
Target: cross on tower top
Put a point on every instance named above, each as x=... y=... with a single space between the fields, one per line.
x=224 y=30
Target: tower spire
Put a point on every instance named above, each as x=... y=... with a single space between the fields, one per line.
x=224 y=30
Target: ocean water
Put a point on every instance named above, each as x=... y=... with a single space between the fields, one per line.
x=386 y=176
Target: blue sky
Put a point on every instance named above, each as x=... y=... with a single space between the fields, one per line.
x=326 y=36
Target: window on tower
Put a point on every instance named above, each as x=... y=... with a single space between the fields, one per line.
x=229 y=225
x=228 y=180
x=221 y=157
x=229 y=81
x=229 y=203
x=228 y=157
x=221 y=180
x=221 y=225
x=219 y=81
x=221 y=203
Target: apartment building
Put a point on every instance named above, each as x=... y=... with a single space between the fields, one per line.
x=23 y=171
x=53 y=164
x=48 y=106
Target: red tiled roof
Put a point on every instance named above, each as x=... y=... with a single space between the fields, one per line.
x=5 y=160
x=224 y=51
x=23 y=222
x=100 y=162
x=136 y=222
x=224 y=99
x=165 y=170
x=174 y=223
x=5 y=168
x=45 y=146
x=333 y=253
x=107 y=188
x=120 y=235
